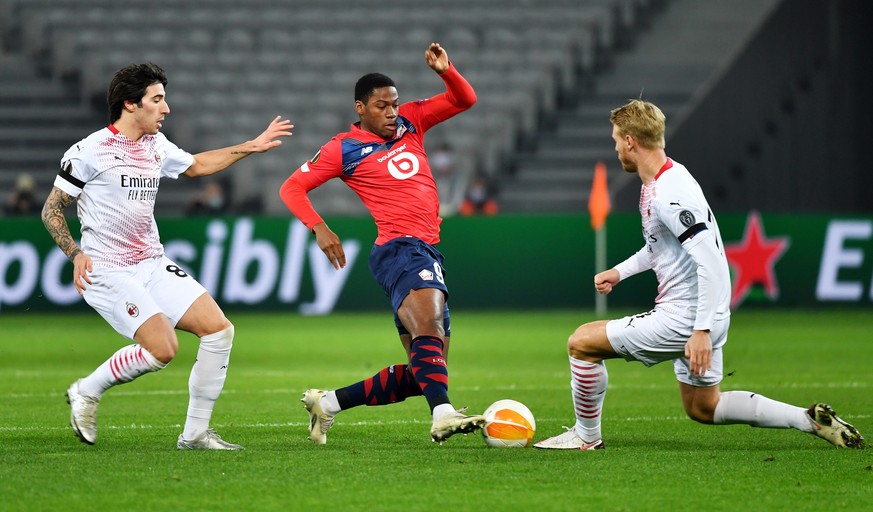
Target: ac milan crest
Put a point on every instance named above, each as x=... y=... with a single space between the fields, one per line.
x=132 y=310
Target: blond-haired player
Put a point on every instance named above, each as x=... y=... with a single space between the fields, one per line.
x=689 y=324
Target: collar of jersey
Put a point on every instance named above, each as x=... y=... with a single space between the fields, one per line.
x=667 y=165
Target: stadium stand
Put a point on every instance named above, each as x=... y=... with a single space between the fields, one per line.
x=664 y=66
x=233 y=67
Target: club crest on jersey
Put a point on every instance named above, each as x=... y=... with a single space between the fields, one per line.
x=426 y=275
x=132 y=310
x=686 y=218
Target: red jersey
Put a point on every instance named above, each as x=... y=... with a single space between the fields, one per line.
x=392 y=177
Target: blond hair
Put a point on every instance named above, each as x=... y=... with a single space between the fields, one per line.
x=641 y=120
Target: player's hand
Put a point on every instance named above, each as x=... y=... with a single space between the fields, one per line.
x=698 y=350
x=82 y=266
x=330 y=245
x=606 y=280
x=437 y=58
x=269 y=139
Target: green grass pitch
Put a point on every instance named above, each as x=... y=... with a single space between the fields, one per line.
x=381 y=458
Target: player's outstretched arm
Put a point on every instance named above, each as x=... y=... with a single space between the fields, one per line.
x=437 y=58
x=56 y=224
x=211 y=162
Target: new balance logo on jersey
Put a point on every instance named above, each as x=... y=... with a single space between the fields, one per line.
x=367 y=150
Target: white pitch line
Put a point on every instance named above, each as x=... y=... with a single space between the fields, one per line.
x=475 y=389
x=304 y=424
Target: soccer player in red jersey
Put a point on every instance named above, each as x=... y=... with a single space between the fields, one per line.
x=382 y=158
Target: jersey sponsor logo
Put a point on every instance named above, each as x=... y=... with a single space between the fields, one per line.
x=391 y=153
x=426 y=275
x=686 y=218
x=403 y=166
x=367 y=150
x=132 y=309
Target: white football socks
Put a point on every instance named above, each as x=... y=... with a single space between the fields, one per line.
x=207 y=381
x=330 y=404
x=588 y=383
x=759 y=411
x=442 y=410
x=125 y=365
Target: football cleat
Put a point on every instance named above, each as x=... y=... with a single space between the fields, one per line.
x=319 y=421
x=83 y=413
x=569 y=440
x=455 y=423
x=209 y=440
x=827 y=425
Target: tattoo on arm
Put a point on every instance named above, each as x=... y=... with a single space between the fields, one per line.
x=56 y=224
x=240 y=152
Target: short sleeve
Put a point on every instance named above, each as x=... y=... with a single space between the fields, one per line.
x=75 y=171
x=175 y=160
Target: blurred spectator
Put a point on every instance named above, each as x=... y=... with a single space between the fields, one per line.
x=479 y=198
x=22 y=201
x=211 y=200
x=442 y=165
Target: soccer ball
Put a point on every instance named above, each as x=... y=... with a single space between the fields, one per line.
x=508 y=424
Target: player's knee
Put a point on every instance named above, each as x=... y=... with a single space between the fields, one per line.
x=219 y=341
x=164 y=350
x=579 y=343
x=701 y=412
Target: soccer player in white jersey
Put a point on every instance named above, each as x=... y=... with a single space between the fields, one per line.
x=121 y=269
x=689 y=324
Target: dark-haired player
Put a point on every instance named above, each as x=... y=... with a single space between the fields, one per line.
x=121 y=269
x=382 y=158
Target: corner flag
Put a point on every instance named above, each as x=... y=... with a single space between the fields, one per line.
x=598 y=207
x=598 y=201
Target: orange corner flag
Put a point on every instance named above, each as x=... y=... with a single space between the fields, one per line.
x=598 y=201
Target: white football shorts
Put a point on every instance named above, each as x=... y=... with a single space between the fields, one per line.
x=127 y=297
x=658 y=336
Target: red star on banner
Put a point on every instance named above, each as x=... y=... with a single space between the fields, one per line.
x=753 y=259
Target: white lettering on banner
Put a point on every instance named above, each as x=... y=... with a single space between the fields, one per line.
x=213 y=254
x=292 y=272
x=25 y=256
x=52 y=286
x=328 y=281
x=244 y=252
x=836 y=256
x=247 y=273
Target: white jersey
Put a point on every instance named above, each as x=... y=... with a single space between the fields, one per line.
x=683 y=247
x=116 y=181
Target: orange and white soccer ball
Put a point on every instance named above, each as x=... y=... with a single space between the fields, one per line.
x=508 y=424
